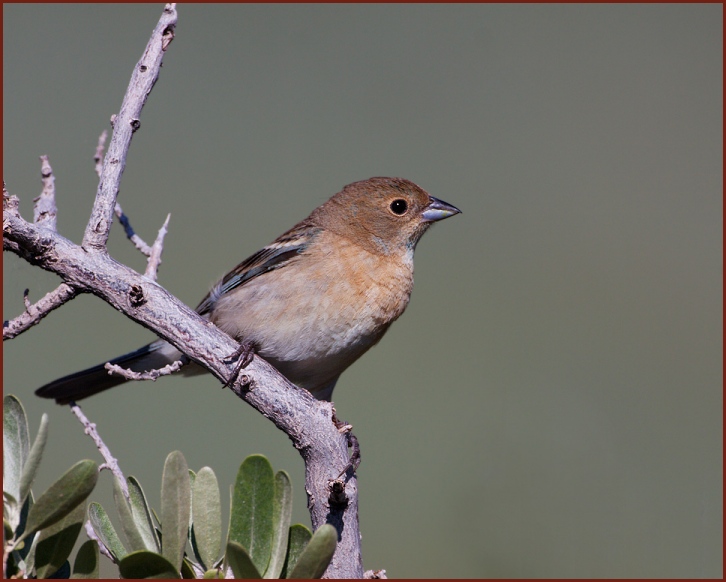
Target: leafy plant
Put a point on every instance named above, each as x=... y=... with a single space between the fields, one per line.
x=260 y=543
x=40 y=534
x=186 y=541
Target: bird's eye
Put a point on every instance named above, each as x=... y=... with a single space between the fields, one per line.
x=399 y=206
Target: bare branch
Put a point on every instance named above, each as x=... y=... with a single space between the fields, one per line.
x=44 y=209
x=98 y=156
x=148 y=374
x=139 y=243
x=145 y=74
x=130 y=234
x=110 y=461
x=35 y=313
x=10 y=207
x=152 y=266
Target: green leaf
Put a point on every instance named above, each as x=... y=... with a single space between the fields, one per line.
x=281 y=515
x=251 y=515
x=146 y=564
x=207 y=517
x=214 y=574
x=87 y=562
x=186 y=569
x=298 y=538
x=317 y=555
x=128 y=523
x=241 y=562
x=142 y=516
x=8 y=529
x=192 y=477
x=64 y=572
x=25 y=551
x=16 y=444
x=62 y=496
x=176 y=499
x=56 y=542
x=157 y=521
x=33 y=462
x=105 y=531
x=10 y=509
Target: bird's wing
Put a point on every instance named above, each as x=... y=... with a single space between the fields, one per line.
x=274 y=256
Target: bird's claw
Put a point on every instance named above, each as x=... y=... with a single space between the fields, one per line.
x=355 y=458
x=244 y=355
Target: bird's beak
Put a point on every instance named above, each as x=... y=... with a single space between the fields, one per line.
x=438 y=210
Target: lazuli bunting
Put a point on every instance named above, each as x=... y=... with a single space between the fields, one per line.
x=315 y=299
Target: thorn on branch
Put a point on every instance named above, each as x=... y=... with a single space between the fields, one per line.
x=130 y=234
x=146 y=375
x=152 y=265
x=44 y=209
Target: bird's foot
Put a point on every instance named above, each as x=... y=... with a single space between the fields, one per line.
x=244 y=354
x=354 y=460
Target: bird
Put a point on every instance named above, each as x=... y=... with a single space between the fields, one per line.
x=314 y=300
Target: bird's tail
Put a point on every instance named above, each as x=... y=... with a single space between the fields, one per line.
x=97 y=379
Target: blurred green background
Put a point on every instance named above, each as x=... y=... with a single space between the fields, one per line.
x=551 y=403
